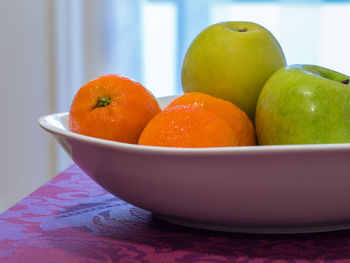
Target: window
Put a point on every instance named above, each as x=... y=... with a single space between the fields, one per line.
x=147 y=40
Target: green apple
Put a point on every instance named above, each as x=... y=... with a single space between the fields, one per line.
x=304 y=104
x=232 y=61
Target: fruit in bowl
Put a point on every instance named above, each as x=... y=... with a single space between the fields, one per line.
x=112 y=107
x=187 y=126
x=235 y=117
x=219 y=188
x=304 y=104
x=116 y=108
x=232 y=61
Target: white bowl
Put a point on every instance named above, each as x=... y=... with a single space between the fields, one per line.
x=257 y=189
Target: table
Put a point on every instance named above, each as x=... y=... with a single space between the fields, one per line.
x=72 y=219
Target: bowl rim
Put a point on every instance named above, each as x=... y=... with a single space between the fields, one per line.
x=47 y=122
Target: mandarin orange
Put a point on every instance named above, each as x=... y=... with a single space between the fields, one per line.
x=236 y=118
x=188 y=127
x=112 y=107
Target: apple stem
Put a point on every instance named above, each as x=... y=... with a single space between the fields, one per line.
x=243 y=30
x=345 y=81
x=102 y=102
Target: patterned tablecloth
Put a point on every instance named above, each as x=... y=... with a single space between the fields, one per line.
x=72 y=219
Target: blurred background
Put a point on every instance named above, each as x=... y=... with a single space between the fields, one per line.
x=50 y=48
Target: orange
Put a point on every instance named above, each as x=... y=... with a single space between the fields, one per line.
x=236 y=118
x=187 y=127
x=112 y=107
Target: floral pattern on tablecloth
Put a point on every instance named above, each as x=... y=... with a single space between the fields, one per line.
x=72 y=219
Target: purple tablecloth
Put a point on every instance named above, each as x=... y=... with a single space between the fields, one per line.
x=72 y=219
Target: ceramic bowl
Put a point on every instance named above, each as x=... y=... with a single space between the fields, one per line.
x=256 y=189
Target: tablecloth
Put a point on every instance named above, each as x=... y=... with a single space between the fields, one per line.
x=72 y=219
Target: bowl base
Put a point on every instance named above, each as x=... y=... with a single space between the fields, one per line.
x=259 y=229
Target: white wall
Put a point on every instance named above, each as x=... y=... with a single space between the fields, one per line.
x=26 y=93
